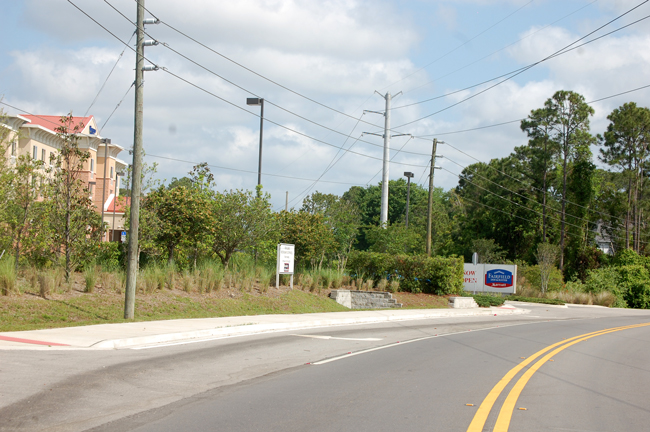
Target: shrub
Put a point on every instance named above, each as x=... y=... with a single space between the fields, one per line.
x=415 y=273
x=90 y=277
x=109 y=255
x=535 y=300
x=486 y=300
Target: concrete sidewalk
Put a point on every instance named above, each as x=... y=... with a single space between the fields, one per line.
x=138 y=334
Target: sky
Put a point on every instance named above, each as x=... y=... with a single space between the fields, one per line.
x=323 y=69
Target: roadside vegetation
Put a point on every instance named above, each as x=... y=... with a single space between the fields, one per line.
x=543 y=207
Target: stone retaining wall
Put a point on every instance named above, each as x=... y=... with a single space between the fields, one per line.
x=364 y=299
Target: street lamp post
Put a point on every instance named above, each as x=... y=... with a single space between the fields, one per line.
x=117 y=176
x=408 y=175
x=260 y=102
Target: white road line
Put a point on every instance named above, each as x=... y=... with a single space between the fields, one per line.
x=337 y=338
x=412 y=340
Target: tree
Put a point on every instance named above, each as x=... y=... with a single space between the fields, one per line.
x=546 y=257
x=541 y=150
x=341 y=216
x=240 y=221
x=311 y=235
x=18 y=211
x=565 y=120
x=70 y=212
x=625 y=147
x=182 y=214
x=488 y=251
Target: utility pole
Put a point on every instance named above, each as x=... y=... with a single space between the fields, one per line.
x=383 y=220
x=136 y=182
x=430 y=210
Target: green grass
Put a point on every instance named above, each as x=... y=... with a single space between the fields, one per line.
x=28 y=312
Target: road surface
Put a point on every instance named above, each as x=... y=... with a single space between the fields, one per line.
x=556 y=369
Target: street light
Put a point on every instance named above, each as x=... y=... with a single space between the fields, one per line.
x=117 y=176
x=408 y=176
x=260 y=102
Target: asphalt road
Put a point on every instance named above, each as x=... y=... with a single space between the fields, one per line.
x=398 y=376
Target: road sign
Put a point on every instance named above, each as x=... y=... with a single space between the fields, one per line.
x=123 y=237
x=286 y=254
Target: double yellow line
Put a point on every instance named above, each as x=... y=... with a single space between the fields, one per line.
x=505 y=415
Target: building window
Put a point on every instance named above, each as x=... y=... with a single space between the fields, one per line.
x=13 y=148
x=43 y=155
x=111 y=172
x=35 y=153
x=92 y=165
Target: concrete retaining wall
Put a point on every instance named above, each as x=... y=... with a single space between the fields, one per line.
x=364 y=299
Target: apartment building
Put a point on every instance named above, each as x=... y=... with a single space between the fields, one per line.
x=36 y=135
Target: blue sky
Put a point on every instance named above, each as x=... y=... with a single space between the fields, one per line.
x=54 y=60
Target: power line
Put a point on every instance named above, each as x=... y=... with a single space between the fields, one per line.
x=518 y=180
x=231 y=103
x=109 y=75
x=519 y=120
x=250 y=172
x=116 y=107
x=527 y=67
x=529 y=209
x=461 y=45
x=495 y=52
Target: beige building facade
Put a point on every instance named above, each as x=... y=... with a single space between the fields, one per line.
x=36 y=136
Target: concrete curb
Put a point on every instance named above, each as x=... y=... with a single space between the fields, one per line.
x=251 y=329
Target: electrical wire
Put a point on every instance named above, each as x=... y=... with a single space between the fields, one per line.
x=495 y=52
x=392 y=157
x=518 y=180
x=232 y=103
x=461 y=45
x=116 y=107
x=519 y=120
x=556 y=53
x=548 y=216
x=109 y=75
x=249 y=171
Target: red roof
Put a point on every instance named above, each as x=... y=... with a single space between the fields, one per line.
x=52 y=122
x=120 y=206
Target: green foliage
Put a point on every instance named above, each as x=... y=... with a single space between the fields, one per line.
x=535 y=300
x=310 y=234
x=7 y=275
x=626 y=257
x=109 y=256
x=416 y=273
x=486 y=300
x=530 y=275
x=395 y=240
x=488 y=251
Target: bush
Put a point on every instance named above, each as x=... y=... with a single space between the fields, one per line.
x=109 y=256
x=535 y=300
x=415 y=273
x=486 y=300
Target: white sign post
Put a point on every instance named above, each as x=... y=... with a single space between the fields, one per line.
x=286 y=253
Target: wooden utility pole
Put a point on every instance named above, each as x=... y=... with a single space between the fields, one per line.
x=430 y=209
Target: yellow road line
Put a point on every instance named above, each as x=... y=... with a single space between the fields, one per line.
x=478 y=422
x=505 y=415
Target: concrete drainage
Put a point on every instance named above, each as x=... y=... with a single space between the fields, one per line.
x=462 y=302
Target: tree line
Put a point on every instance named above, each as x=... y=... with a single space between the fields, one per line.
x=547 y=191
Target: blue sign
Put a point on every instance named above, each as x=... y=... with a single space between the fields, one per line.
x=498 y=278
x=92 y=130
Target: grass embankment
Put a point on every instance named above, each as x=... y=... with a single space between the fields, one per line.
x=75 y=306
x=29 y=312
